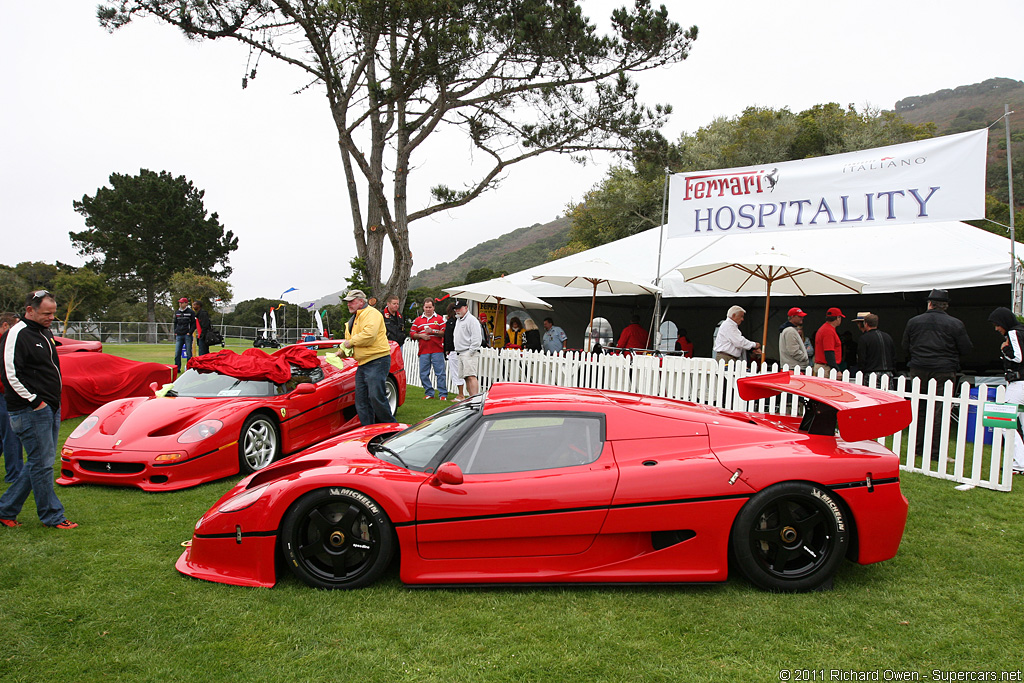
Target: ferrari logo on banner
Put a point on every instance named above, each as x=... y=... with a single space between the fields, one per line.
x=940 y=179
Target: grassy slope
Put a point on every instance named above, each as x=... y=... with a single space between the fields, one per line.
x=517 y=250
x=104 y=603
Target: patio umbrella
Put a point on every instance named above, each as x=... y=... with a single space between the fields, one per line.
x=596 y=275
x=498 y=291
x=768 y=272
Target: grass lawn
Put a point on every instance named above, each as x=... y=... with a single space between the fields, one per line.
x=104 y=603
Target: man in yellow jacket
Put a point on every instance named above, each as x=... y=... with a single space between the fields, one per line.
x=366 y=336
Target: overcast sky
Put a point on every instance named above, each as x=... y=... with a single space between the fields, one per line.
x=79 y=104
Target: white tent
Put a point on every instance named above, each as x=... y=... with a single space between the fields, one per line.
x=899 y=258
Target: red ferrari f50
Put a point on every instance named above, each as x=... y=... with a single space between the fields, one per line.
x=539 y=484
x=224 y=415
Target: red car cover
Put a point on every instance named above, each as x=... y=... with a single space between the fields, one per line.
x=93 y=379
x=255 y=364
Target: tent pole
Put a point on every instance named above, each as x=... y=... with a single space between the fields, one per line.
x=764 y=332
x=1014 y=304
x=655 y=332
x=593 y=300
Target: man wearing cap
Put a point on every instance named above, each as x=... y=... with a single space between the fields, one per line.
x=792 y=351
x=876 y=352
x=469 y=338
x=828 y=348
x=934 y=342
x=184 y=327
x=366 y=336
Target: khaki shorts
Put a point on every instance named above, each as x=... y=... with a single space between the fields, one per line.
x=469 y=364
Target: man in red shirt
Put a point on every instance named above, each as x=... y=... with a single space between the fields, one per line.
x=828 y=350
x=428 y=330
x=633 y=336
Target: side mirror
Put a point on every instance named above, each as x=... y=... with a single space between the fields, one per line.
x=303 y=388
x=448 y=473
x=154 y=387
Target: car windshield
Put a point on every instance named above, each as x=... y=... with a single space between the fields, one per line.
x=213 y=384
x=417 y=445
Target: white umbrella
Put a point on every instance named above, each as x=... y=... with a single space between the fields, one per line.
x=768 y=272
x=596 y=275
x=498 y=291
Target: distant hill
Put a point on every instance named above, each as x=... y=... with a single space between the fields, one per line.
x=971 y=107
x=966 y=108
x=513 y=251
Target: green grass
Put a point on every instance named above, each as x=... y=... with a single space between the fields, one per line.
x=103 y=602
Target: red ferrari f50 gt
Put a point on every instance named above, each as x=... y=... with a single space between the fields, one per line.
x=539 y=484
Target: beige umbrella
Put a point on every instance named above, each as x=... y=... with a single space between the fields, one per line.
x=499 y=291
x=768 y=272
x=596 y=275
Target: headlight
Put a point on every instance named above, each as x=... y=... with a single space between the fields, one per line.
x=240 y=502
x=200 y=431
x=87 y=424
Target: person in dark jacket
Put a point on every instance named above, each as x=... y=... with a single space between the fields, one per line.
x=394 y=323
x=184 y=328
x=934 y=342
x=1012 y=351
x=10 y=444
x=531 y=336
x=876 y=351
x=203 y=327
x=32 y=385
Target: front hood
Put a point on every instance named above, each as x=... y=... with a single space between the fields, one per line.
x=141 y=424
x=346 y=453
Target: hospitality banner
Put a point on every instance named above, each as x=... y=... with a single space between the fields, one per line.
x=940 y=179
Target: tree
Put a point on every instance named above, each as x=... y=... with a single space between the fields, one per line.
x=197 y=286
x=519 y=78
x=249 y=313
x=81 y=291
x=146 y=227
x=13 y=289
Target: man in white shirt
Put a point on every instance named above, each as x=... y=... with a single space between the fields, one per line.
x=469 y=337
x=730 y=344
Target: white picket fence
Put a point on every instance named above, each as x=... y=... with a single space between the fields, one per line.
x=963 y=456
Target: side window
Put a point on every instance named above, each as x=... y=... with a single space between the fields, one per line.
x=530 y=442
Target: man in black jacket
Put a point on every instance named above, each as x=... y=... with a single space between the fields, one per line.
x=876 y=352
x=31 y=377
x=934 y=342
x=394 y=323
x=203 y=327
x=184 y=327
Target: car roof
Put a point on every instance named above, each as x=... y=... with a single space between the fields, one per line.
x=660 y=416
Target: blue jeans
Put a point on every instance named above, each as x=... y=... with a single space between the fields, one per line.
x=10 y=444
x=38 y=430
x=182 y=349
x=371 y=396
x=435 y=360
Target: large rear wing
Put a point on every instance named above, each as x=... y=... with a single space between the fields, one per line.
x=859 y=412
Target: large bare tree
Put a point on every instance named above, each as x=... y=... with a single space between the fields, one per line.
x=520 y=78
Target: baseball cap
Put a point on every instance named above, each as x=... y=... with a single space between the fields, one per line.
x=861 y=315
x=795 y=311
x=182 y=300
x=834 y=311
x=459 y=303
x=355 y=294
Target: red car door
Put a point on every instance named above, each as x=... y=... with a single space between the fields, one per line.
x=311 y=418
x=535 y=484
